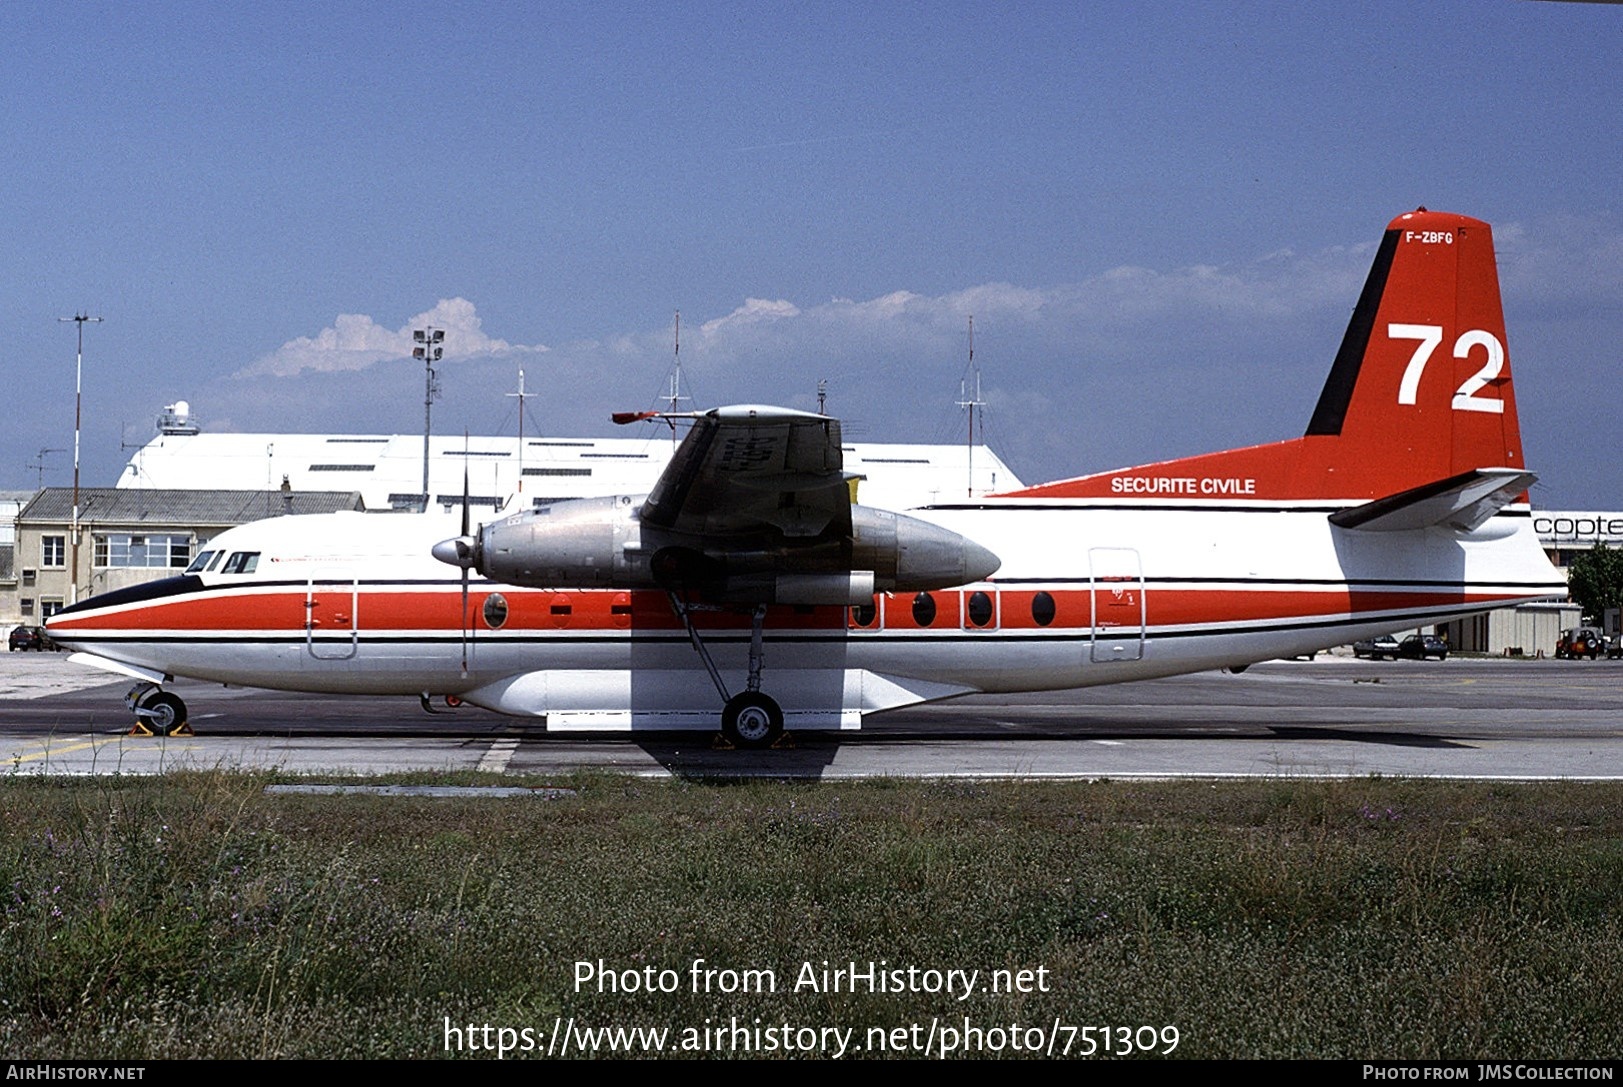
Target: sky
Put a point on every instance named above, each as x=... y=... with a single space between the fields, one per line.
x=1158 y=216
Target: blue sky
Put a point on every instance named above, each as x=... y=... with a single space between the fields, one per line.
x=1159 y=219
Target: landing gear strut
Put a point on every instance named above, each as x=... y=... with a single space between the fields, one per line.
x=157 y=713
x=749 y=719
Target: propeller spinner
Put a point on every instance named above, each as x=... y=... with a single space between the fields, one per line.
x=460 y=551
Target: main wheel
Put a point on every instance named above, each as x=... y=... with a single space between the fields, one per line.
x=166 y=712
x=752 y=719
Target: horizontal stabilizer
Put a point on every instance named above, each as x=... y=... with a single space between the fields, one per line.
x=1461 y=502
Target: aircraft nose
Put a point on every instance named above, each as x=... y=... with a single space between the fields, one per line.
x=455 y=552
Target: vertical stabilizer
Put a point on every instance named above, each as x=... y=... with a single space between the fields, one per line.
x=1421 y=387
x=1420 y=391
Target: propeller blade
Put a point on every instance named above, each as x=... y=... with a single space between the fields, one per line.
x=467 y=560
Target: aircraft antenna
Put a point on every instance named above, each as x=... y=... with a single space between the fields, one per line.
x=971 y=402
x=822 y=395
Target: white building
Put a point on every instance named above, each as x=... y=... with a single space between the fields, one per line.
x=387 y=470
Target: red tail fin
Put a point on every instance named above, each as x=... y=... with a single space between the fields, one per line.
x=1420 y=390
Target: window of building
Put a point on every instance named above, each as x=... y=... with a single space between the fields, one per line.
x=29 y=574
x=53 y=551
x=27 y=605
x=142 y=552
x=49 y=606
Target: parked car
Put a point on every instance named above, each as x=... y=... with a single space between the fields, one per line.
x=1581 y=642
x=27 y=637
x=1383 y=648
x=1420 y=646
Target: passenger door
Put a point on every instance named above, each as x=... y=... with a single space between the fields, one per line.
x=1116 y=591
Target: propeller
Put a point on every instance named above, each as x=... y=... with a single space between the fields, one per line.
x=461 y=551
x=463 y=535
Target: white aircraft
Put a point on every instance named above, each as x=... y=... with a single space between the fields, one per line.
x=748 y=588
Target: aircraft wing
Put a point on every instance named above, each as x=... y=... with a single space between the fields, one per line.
x=751 y=469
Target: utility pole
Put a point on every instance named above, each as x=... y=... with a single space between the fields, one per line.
x=429 y=348
x=78 y=401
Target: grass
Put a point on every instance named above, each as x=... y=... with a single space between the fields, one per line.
x=194 y=916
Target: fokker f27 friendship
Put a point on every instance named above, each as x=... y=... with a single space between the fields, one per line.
x=747 y=588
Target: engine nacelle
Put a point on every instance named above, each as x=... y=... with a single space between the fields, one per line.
x=599 y=543
x=585 y=543
x=910 y=555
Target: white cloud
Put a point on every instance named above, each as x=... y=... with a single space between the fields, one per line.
x=753 y=311
x=355 y=341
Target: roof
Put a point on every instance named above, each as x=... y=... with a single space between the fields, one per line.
x=387 y=470
x=186 y=508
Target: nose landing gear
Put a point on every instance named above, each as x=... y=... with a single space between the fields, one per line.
x=157 y=712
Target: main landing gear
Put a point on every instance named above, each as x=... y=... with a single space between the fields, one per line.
x=157 y=713
x=750 y=718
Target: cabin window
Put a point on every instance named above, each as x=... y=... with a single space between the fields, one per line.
x=495 y=610
x=924 y=609
x=205 y=562
x=1042 y=609
x=241 y=562
x=980 y=609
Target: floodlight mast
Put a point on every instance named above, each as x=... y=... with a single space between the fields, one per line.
x=78 y=401
x=429 y=349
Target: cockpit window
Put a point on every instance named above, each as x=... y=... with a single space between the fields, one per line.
x=201 y=562
x=241 y=562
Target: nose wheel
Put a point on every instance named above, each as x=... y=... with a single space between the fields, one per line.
x=157 y=713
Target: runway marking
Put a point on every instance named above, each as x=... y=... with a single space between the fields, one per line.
x=49 y=751
x=496 y=759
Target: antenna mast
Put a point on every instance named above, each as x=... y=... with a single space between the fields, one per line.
x=971 y=402
x=675 y=396
x=520 y=394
